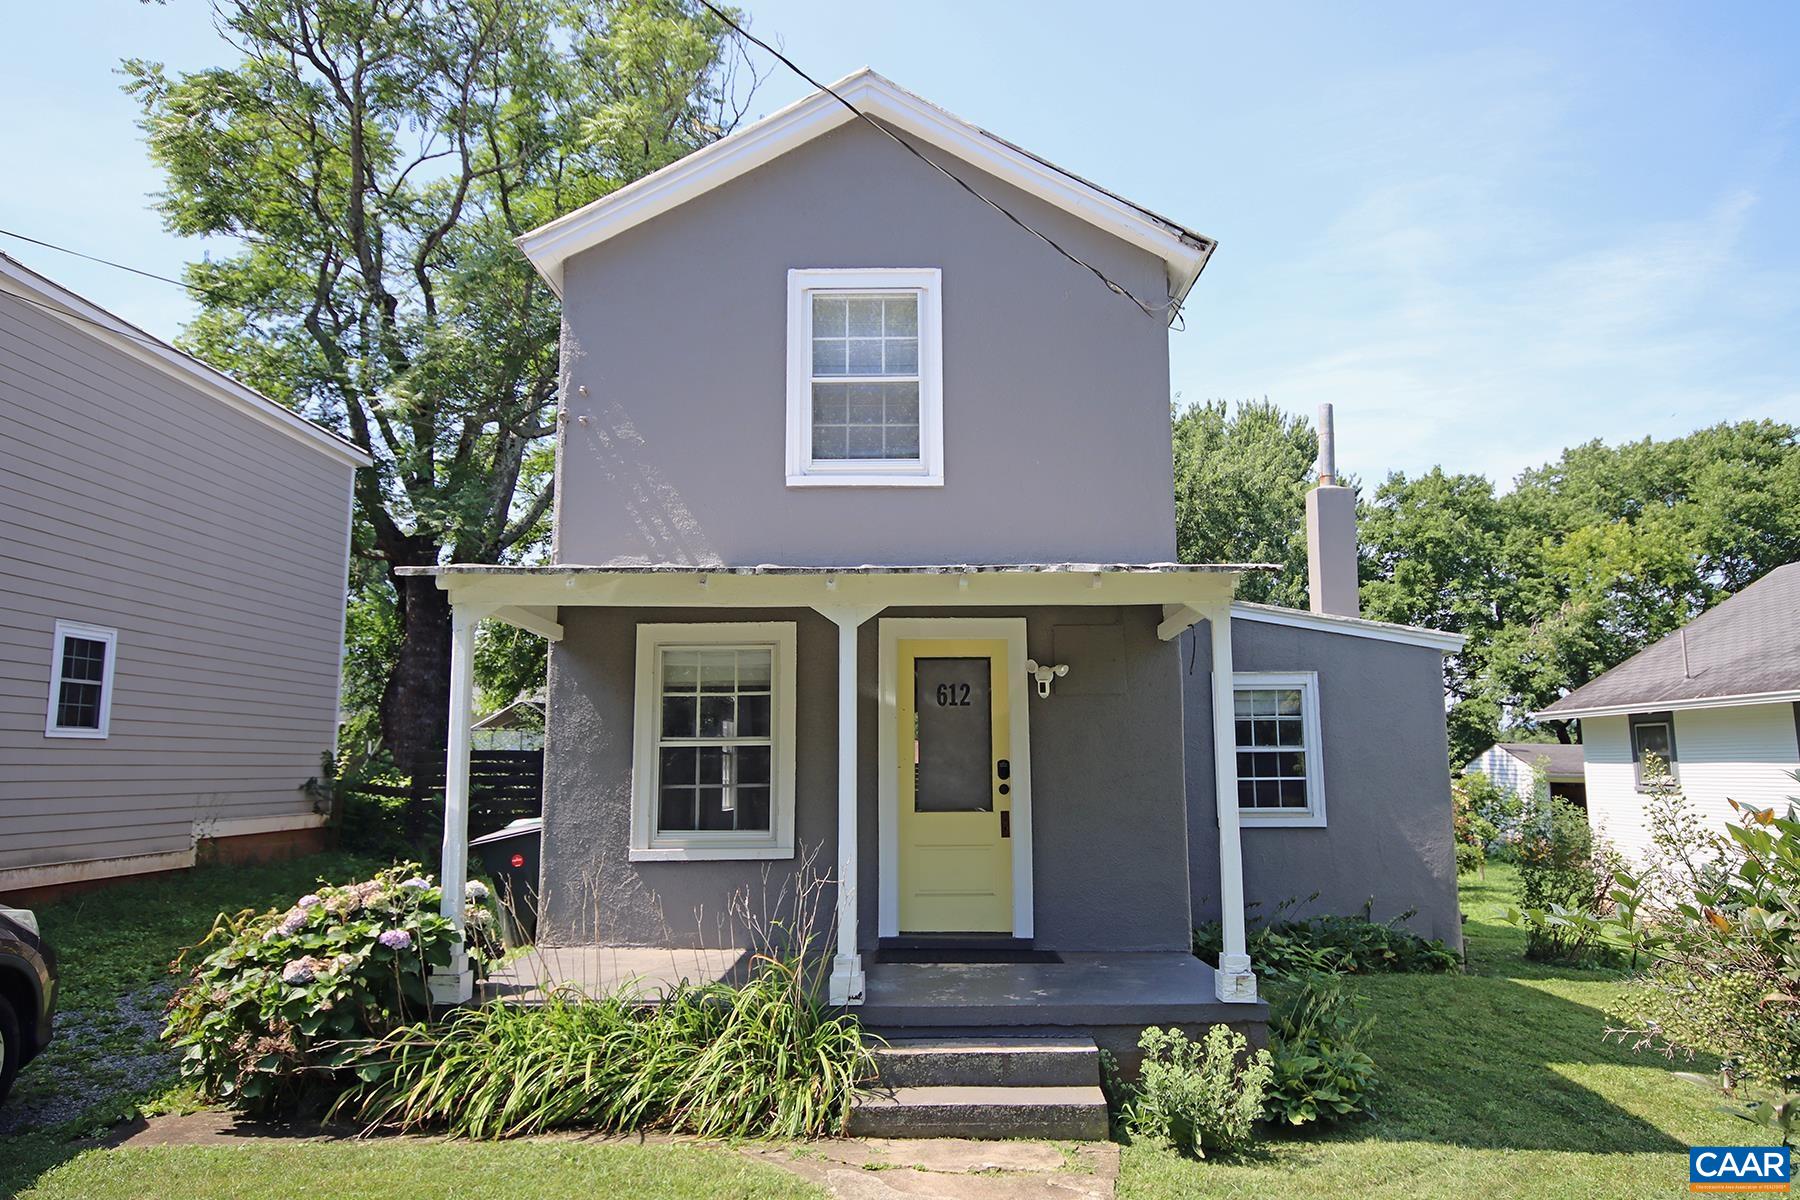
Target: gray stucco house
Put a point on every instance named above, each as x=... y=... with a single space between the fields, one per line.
x=173 y=554
x=865 y=547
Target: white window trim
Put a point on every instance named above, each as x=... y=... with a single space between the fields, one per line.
x=702 y=846
x=1314 y=816
x=98 y=633
x=802 y=469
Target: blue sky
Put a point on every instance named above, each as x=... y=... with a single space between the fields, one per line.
x=1484 y=232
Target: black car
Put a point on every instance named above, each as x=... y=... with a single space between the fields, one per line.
x=27 y=992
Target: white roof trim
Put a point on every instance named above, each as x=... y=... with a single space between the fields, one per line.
x=103 y=326
x=549 y=246
x=1381 y=631
x=1744 y=700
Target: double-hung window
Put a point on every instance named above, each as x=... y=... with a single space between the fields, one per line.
x=1653 y=735
x=1279 y=775
x=81 y=681
x=713 y=769
x=865 y=378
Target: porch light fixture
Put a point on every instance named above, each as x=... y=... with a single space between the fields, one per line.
x=1044 y=674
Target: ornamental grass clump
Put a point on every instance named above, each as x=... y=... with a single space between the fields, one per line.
x=762 y=1059
x=263 y=1022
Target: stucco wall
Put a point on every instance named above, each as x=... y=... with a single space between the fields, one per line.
x=1056 y=391
x=1742 y=753
x=1110 y=844
x=216 y=547
x=1387 y=781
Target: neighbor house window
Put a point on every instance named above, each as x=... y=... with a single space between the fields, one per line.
x=1279 y=777
x=1653 y=734
x=865 y=378
x=713 y=764
x=81 y=681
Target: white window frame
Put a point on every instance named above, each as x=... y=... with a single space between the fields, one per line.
x=95 y=633
x=1313 y=815
x=805 y=471
x=648 y=845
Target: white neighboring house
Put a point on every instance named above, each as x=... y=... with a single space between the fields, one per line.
x=1512 y=766
x=1718 y=699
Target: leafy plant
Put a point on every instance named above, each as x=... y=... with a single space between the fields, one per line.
x=764 y=1059
x=260 y=1024
x=1320 y=1072
x=1332 y=945
x=1200 y=1096
x=1565 y=877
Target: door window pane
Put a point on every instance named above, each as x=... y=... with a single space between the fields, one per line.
x=954 y=743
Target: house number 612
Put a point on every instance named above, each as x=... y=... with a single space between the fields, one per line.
x=953 y=695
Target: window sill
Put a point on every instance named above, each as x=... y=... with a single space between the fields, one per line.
x=708 y=853
x=1298 y=820
x=848 y=480
x=90 y=734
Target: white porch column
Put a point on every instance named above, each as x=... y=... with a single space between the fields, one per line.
x=454 y=984
x=846 y=965
x=1235 y=981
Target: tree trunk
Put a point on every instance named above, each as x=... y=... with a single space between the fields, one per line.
x=415 y=704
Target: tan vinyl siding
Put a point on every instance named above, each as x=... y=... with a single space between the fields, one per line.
x=1741 y=753
x=215 y=545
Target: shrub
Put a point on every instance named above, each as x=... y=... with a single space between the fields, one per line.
x=1332 y=945
x=261 y=1021
x=1565 y=873
x=764 y=1059
x=1198 y=1097
x=1315 y=1046
x=1483 y=814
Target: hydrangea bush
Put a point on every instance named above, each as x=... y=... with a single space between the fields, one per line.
x=281 y=997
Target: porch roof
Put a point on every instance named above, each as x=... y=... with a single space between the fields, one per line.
x=667 y=568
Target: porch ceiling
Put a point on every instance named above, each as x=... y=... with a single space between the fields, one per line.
x=821 y=587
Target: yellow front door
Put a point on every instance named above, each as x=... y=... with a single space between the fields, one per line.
x=954 y=790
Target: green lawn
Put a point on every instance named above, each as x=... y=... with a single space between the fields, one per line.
x=1497 y=1083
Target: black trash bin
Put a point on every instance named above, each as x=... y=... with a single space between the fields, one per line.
x=510 y=856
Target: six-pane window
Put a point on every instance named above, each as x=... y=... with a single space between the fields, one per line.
x=714 y=741
x=1272 y=752
x=865 y=376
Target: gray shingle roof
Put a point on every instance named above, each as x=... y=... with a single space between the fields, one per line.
x=1747 y=646
x=1560 y=761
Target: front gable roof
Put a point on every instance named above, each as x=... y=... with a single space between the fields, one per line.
x=1745 y=650
x=1184 y=252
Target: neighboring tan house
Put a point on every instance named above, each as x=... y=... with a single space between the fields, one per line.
x=1718 y=700
x=865 y=545
x=1514 y=767
x=172 y=569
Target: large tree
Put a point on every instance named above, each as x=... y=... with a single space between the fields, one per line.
x=374 y=160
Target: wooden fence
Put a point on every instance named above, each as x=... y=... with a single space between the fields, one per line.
x=504 y=785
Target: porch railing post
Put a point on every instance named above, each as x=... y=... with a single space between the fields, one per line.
x=1235 y=981
x=454 y=984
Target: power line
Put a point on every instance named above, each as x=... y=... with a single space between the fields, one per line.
x=107 y=262
x=1165 y=311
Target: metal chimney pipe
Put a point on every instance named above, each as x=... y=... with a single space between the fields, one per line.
x=1327 y=446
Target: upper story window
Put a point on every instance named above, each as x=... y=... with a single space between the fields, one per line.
x=1653 y=734
x=865 y=378
x=81 y=681
x=1276 y=716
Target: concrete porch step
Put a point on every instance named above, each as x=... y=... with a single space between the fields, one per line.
x=1061 y=1113
x=920 y=1062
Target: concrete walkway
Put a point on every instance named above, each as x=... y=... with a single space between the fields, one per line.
x=849 y=1168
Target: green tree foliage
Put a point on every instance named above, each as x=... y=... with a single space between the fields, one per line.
x=1240 y=492
x=373 y=161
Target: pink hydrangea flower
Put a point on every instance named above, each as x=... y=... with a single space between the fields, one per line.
x=301 y=971
x=396 y=939
x=310 y=900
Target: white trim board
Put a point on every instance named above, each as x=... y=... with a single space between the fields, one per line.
x=1381 y=631
x=1184 y=253
x=51 y=874
x=890 y=630
x=1742 y=700
x=90 y=319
